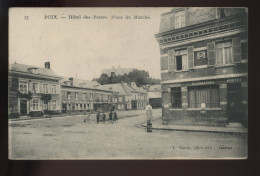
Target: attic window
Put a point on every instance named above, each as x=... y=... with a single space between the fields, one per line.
x=96 y=86
x=33 y=70
x=110 y=88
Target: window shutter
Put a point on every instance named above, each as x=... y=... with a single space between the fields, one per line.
x=236 y=49
x=190 y=57
x=211 y=53
x=164 y=63
x=30 y=86
x=171 y=60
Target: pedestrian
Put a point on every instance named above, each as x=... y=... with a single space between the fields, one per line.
x=115 y=118
x=88 y=117
x=85 y=117
x=149 y=116
x=103 y=117
x=98 y=116
x=110 y=117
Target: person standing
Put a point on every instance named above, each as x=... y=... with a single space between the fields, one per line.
x=103 y=117
x=110 y=116
x=149 y=116
x=98 y=116
x=115 y=118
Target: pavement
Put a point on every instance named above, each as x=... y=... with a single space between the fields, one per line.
x=157 y=125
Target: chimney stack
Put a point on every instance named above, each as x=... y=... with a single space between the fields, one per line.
x=47 y=65
x=71 y=81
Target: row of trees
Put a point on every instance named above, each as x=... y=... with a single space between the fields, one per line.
x=140 y=77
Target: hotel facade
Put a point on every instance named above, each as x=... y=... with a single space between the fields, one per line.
x=204 y=63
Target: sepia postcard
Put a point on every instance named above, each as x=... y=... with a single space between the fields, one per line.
x=128 y=83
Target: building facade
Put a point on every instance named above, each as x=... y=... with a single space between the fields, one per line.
x=204 y=66
x=81 y=95
x=155 y=96
x=116 y=71
x=33 y=91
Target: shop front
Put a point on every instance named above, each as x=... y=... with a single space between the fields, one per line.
x=212 y=102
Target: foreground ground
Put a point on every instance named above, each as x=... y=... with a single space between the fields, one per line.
x=70 y=138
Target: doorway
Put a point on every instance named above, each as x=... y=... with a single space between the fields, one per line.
x=23 y=107
x=234 y=102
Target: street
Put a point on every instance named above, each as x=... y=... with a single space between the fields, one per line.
x=71 y=138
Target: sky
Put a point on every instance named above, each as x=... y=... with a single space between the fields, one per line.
x=83 y=47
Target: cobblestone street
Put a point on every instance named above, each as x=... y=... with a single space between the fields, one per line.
x=70 y=138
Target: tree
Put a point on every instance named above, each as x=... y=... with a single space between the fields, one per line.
x=140 y=77
x=104 y=79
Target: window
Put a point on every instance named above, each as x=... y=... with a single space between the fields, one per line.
x=176 y=97
x=120 y=99
x=81 y=106
x=54 y=88
x=68 y=95
x=181 y=60
x=91 y=96
x=84 y=96
x=23 y=86
x=224 y=53
x=76 y=95
x=179 y=19
x=35 y=87
x=244 y=51
x=45 y=88
x=54 y=104
x=35 y=105
x=203 y=94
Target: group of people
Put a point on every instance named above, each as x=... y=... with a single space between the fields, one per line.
x=101 y=117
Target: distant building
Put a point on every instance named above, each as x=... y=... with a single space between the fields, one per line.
x=129 y=96
x=203 y=53
x=155 y=96
x=116 y=71
x=33 y=90
x=79 y=95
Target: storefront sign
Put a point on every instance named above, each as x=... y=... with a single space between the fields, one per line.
x=234 y=80
x=202 y=83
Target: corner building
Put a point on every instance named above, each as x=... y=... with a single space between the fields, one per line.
x=204 y=63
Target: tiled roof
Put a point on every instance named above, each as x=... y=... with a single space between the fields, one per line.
x=26 y=69
x=139 y=90
x=119 y=87
x=155 y=88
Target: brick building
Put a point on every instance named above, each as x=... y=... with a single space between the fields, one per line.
x=33 y=90
x=79 y=95
x=204 y=66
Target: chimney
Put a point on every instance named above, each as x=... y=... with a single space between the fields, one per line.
x=47 y=65
x=71 y=81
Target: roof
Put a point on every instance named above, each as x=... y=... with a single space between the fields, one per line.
x=26 y=69
x=155 y=88
x=82 y=83
x=119 y=87
x=139 y=89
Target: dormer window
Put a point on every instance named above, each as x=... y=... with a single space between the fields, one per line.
x=110 y=88
x=179 y=19
x=96 y=86
x=33 y=70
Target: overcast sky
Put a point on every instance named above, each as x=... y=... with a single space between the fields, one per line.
x=82 y=47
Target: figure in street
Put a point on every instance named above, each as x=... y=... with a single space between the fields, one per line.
x=103 y=117
x=98 y=117
x=115 y=118
x=149 y=116
x=110 y=117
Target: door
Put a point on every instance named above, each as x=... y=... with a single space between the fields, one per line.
x=234 y=102
x=23 y=107
x=45 y=106
x=134 y=104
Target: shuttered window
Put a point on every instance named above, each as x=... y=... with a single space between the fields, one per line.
x=181 y=59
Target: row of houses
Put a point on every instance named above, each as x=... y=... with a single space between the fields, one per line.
x=36 y=91
x=204 y=65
